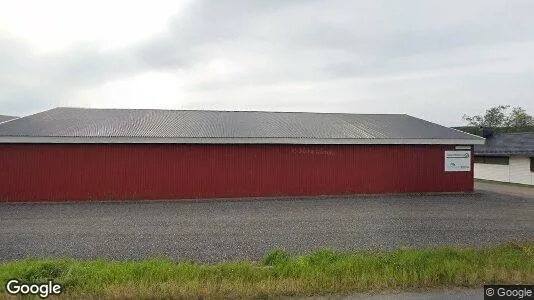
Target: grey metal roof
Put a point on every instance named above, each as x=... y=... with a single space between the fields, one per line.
x=198 y=126
x=4 y=118
x=521 y=143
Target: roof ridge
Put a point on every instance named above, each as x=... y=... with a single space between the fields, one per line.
x=216 y=110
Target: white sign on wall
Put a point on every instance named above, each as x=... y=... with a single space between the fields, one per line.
x=457 y=161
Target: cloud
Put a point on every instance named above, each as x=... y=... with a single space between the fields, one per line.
x=30 y=82
x=433 y=59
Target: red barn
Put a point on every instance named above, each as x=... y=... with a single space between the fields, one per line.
x=108 y=154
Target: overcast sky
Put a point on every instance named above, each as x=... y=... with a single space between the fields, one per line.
x=431 y=59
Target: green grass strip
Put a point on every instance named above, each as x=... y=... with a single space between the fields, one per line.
x=280 y=274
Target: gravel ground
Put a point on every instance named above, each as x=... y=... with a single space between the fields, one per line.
x=505 y=188
x=456 y=293
x=211 y=231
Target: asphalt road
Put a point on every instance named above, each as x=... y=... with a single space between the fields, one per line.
x=211 y=231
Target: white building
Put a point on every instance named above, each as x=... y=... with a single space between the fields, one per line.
x=507 y=157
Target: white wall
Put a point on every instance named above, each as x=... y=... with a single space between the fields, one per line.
x=492 y=172
x=518 y=171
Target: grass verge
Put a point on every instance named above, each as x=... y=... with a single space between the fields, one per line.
x=280 y=274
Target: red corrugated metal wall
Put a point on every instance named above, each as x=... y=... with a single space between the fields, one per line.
x=166 y=171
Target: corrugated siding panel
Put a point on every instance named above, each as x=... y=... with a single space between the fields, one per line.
x=163 y=171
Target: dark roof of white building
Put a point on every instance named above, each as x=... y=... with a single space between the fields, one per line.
x=507 y=144
x=82 y=125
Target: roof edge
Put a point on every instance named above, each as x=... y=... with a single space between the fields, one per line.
x=27 y=116
x=9 y=120
x=244 y=140
x=474 y=136
x=467 y=133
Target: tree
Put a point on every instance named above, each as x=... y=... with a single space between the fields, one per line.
x=519 y=118
x=499 y=116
